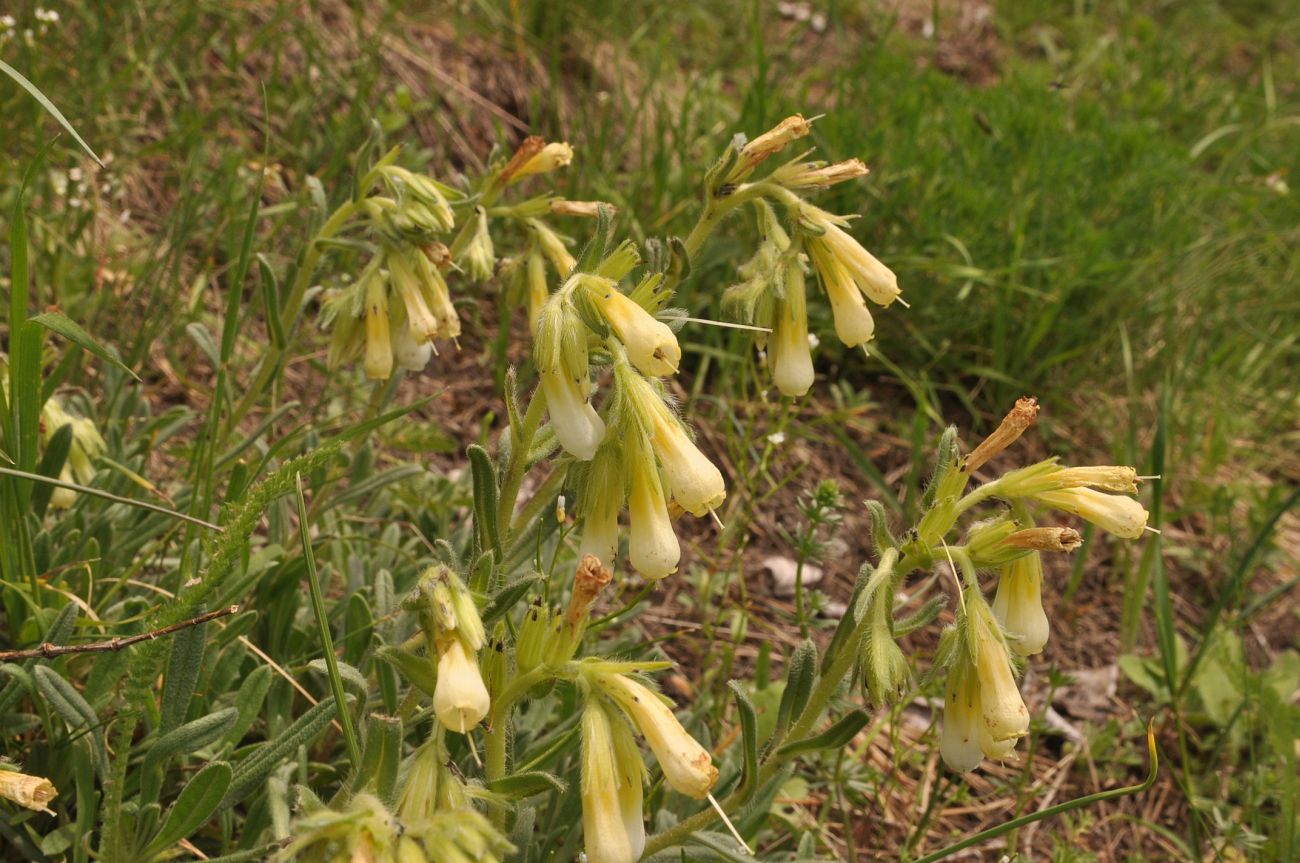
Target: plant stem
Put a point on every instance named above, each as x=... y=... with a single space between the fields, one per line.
x=518 y=462
x=499 y=722
x=292 y=306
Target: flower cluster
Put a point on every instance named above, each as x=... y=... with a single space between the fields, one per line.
x=399 y=306
x=636 y=450
x=984 y=714
x=773 y=293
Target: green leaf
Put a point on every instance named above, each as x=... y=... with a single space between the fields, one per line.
x=58 y=322
x=485 y=499
x=254 y=769
x=381 y=758
x=48 y=106
x=183 y=670
x=418 y=670
x=52 y=461
x=508 y=597
x=191 y=736
x=248 y=704
x=523 y=785
x=799 y=681
x=198 y=801
x=75 y=710
x=748 y=740
x=838 y=735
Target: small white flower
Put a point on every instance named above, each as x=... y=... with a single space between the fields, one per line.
x=777 y=438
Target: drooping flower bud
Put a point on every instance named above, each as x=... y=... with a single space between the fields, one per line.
x=460 y=699
x=1018 y=605
x=602 y=498
x=652 y=547
x=687 y=766
x=420 y=320
x=651 y=344
x=853 y=323
x=553 y=248
x=408 y=353
x=694 y=481
x=817 y=175
x=538 y=290
x=561 y=353
x=1122 y=516
x=829 y=241
x=1005 y=716
x=479 y=258
x=788 y=350
x=379 y=348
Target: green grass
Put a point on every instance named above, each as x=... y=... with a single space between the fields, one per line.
x=1104 y=224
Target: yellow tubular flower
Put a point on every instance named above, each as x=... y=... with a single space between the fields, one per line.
x=873 y=278
x=652 y=546
x=554 y=155
x=853 y=323
x=604 y=831
x=460 y=700
x=554 y=249
x=420 y=320
x=1122 y=516
x=687 y=766
x=651 y=344
x=600 y=535
x=577 y=425
x=788 y=348
x=1005 y=716
x=959 y=739
x=631 y=779
x=1018 y=605
x=1106 y=477
x=538 y=290
x=379 y=350
x=693 y=481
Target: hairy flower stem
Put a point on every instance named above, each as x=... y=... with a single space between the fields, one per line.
x=716 y=208
x=498 y=726
x=293 y=304
x=821 y=695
